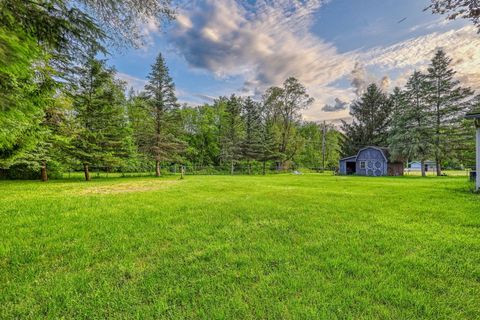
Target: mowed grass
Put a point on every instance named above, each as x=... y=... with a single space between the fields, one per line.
x=221 y=247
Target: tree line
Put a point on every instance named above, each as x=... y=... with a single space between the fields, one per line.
x=90 y=122
x=63 y=107
x=422 y=121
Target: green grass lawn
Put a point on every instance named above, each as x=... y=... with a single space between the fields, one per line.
x=220 y=247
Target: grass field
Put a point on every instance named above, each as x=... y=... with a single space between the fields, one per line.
x=220 y=247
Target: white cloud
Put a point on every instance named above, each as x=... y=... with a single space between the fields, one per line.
x=132 y=82
x=270 y=40
x=463 y=45
x=265 y=43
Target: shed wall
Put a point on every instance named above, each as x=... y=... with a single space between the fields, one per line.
x=343 y=167
x=376 y=165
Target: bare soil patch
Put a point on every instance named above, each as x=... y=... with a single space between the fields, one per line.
x=129 y=187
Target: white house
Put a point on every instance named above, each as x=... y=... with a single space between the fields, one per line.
x=430 y=166
x=476 y=117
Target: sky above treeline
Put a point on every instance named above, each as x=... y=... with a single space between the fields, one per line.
x=335 y=48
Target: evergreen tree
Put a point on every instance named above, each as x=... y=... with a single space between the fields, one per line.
x=54 y=141
x=103 y=136
x=160 y=136
x=231 y=130
x=268 y=136
x=26 y=89
x=371 y=120
x=449 y=102
x=252 y=142
x=411 y=137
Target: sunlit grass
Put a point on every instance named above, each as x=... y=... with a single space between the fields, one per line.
x=210 y=247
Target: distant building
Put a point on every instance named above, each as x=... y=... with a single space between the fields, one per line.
x=430 y=166
x=371 y=161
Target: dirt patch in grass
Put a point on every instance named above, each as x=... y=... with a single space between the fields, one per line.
x=130 y=187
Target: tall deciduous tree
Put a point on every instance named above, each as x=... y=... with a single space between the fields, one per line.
x=103 y=136
x=287 y=103
x=448 y=102
x=161 y=133
x=321 y=147
x=371 y=120
x=201 y=127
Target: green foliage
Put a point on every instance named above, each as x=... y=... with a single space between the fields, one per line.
x=162 y=126
x=449 y=102
x=25 y=91
x=252 y=141
x=232 y=130
x=201 y=127
x=65 y=31
x=284 y=105
x=320 y=141
x=103 y=135
x=411 y=133
x=371 y=120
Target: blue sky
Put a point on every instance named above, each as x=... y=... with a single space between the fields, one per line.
x=336 y=47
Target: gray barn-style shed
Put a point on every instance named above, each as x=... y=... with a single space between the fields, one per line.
x=371 y=161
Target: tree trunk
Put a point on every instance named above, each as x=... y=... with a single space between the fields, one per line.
x=44 y=176
x=422 y=163
x=439 y=168
x=249 y=166
x=182 y=172
x=87 y=172
x=264 y=167
x=232 y=168
x=157 y=169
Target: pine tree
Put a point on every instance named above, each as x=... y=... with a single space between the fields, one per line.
x=448 y=102
x=160 y=136
x=26 y=90
x=269 y=136
x=103 y=136
x=410 y=137
x=371 y=120
x=252 y=142
x=231 y=130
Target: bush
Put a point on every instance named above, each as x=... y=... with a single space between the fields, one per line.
x=24 y=171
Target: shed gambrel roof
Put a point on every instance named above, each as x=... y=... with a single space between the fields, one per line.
x=473 y=115
x=348 y=158
x=384 y=151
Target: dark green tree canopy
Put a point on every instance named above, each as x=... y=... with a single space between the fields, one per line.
x=371 y=121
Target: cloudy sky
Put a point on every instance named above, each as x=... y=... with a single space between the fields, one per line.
x=334 y=47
